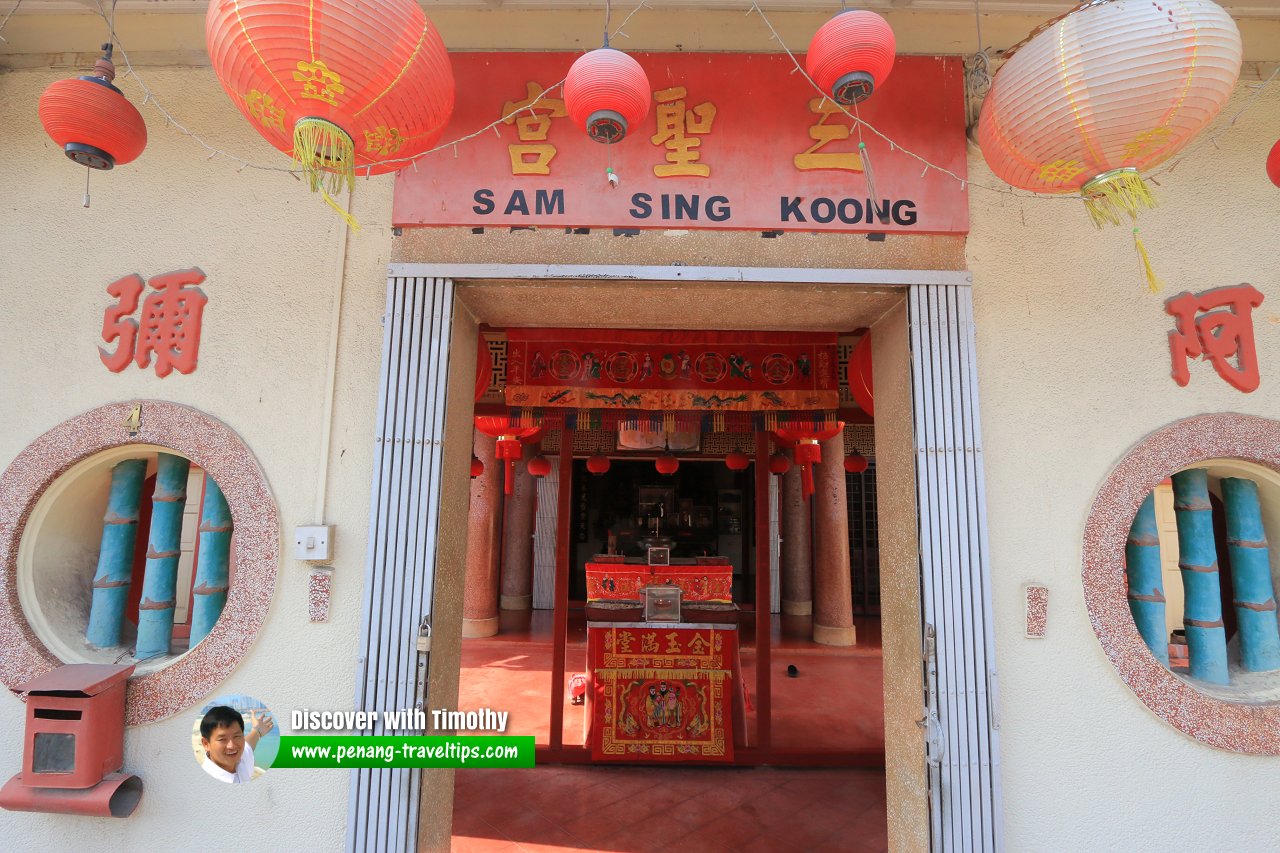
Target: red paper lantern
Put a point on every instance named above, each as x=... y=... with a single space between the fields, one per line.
x=342 y=86
x=510 y=439
x=1105 y=92
x=477 y=467
x=855 y=463
x=851 y=55
x=737 y=461
x=598 y=463
x=808 y=450
x=539 y=466
x=92 y=120
x=860 y=384
x=779 y=463
x=667 y=464
x=1273 y=165
x=606 y=94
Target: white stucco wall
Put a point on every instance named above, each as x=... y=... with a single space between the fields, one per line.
x=1074 y=370
x=273 y=254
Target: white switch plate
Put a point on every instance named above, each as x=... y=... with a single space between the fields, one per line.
x=313 y=543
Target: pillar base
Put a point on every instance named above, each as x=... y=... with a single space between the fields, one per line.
x=797 y=608
x=515 y=602
x=828 y=636
x=473 y=628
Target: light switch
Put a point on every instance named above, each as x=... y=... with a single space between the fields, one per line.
x=313 y=543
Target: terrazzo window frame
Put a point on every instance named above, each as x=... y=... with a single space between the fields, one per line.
x=1231 y=725
x=217 y=449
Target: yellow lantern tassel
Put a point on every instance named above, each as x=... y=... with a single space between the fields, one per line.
x=1120 y=191
x=326 y=154
x=1153 y=283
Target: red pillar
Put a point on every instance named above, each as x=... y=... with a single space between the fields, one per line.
x=797 y=556
x=833 y=596
x=480 y=592
x=517 y=536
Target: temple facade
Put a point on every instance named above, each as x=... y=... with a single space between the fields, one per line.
x=612 y=438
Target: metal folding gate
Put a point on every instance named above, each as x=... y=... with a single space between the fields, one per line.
x=963 y=741
x=401 y=559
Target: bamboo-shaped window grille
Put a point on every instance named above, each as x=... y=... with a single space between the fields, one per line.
x=1252 y=589
x=159 y=595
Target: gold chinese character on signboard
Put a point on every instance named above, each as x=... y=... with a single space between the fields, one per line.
x=649 y=642
x=673 y=643
x=678 y=129
x=321 y=84
x=698 y=645
x=625 y=639
x=823 y=134
x=532 y=118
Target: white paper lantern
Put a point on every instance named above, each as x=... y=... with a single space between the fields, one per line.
x=1110 y=89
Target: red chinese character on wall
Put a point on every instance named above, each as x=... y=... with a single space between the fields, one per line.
x=1224 y=330
x=170 y=326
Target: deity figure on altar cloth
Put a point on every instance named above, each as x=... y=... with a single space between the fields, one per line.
x=653 y=708
x=802 y=364
x=673 y=707
x=739 y=366
x=664 y=719
x=646 y=368
x=589 y=366
x=537 y=367
x=686 y=364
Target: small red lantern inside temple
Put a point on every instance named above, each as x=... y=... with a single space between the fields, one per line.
x=598 y=463
x=851 y=55
x=607 y=93
x=779 y=463
x=510 y=440
x=855 y=463
x=667 y=464
x=1273 y=165
x=539 y=466
x=477 y=467
x=92 y=120
x=737 y=461
x=861 y=385
x=808 y=449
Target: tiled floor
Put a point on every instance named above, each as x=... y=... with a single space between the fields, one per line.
x=641 y=809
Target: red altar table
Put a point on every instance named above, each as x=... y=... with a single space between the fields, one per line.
x=625 y=581
x=661 y=691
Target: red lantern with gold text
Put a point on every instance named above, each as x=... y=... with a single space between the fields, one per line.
x=667 y=464
x=855 y=463
x=737 y=461
x=477 y=467
x=607 y=94
x=539 y=466
x=1104 y=92
x=92 y=120
x=860 y=384
x=779 y=464
x=598 y=463
x=345 y=87
x=510 y=441
x=807 y=448
x=851 y=55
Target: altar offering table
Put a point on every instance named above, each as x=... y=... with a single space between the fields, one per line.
x=625 y=580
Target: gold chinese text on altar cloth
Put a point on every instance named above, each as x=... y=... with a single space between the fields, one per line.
x=532 y=118
x=823 y=132
x=678 y=131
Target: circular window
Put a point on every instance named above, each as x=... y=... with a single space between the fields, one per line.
x=63 y=600
x=1200 y=489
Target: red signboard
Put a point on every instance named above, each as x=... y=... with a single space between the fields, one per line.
x=732 y=141
x=666 y=370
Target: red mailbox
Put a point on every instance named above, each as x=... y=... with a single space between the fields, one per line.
x=75 y=745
